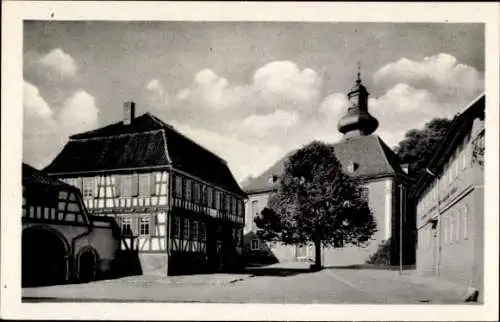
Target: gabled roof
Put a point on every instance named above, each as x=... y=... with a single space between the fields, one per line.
x=459 y=127
x=371 y=158
x=146 y=143
x=32 y=176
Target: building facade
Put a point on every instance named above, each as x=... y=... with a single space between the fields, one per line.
x=178 y=205
x=450 y=205
x=365 y=158
x=61 y=242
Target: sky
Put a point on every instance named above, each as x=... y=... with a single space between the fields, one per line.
x=247 y=91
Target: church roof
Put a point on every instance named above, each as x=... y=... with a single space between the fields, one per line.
x=369 y=154
x=144 y=144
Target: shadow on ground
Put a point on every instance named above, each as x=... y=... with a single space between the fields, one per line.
x=372 y=266
x=276 y=271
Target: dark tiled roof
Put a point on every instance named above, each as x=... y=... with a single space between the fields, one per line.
x=108 y=153
x=32 y=176
x=371 y=157
x=461 y=124
x=146 y=142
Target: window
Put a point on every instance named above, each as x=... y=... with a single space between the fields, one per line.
x=129 y=186
x=217 y=200
x=210 y=197
x=254 y=244
x=127 y=226
x=452 y=227
x=176 y=225
x=88 y=187
x=156 y=184
x=445 y=230
x=255 y=208
x=204 y=190
x=203 y=231
x=178 y=186
x=227 y=203
x=233 y=205
x=188 y=184
x=465 y=221
x=186 y=228
x=457 y=226
x=144 y=225
x=197 y=192
x=145 y=184
x=194 y=230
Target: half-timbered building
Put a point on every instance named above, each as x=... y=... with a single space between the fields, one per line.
x=61 y=242
x=178 y=204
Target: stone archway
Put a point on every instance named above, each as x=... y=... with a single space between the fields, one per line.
x=44 y=257
x=87 y=261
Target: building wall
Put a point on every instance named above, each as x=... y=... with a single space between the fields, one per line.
x=380 y=201
x=381 y=196
x=177 y=200
x=69 y=220
x=450 y=241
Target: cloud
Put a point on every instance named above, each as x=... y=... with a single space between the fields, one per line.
x=243 y=158
x=440 y=74
x=281 y=108
x=46 y=128
x=79 y=113
x=333 y=107
x=418 y=91
x=34 y=104
x=279 y=84
x=59 y=62
x=157 y=92
x=283 y=80
x=261 y=125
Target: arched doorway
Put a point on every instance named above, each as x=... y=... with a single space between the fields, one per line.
x=87 y=265
x=44 y=257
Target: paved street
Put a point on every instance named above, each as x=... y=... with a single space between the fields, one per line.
x=273 y=284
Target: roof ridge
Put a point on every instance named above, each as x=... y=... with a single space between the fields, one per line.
x=115 y=135
x=171 y=127
x=382 y=144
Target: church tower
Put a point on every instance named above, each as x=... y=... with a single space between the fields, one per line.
x=357 y=121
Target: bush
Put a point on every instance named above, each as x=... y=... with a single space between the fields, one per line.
x=383 y=254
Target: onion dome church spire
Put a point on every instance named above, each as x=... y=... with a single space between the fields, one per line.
x=357 y=121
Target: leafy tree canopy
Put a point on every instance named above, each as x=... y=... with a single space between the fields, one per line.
x=418 y=146
x=316 y=202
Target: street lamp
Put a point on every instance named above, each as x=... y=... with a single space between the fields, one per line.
x=438 y=217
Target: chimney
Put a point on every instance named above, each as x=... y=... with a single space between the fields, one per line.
x=128 y=112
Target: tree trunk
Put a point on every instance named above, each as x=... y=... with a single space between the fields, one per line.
x=317 y=249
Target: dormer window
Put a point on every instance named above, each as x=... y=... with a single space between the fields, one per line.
x=273 y=179
x=351 y=167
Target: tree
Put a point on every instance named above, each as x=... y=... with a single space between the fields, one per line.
x=418 y=146
x=316 y=203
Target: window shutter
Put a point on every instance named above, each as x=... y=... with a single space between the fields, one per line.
x=118 y=185
x=135 y=225
x=135 y=185
x=152 y=224
x=152 y=182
